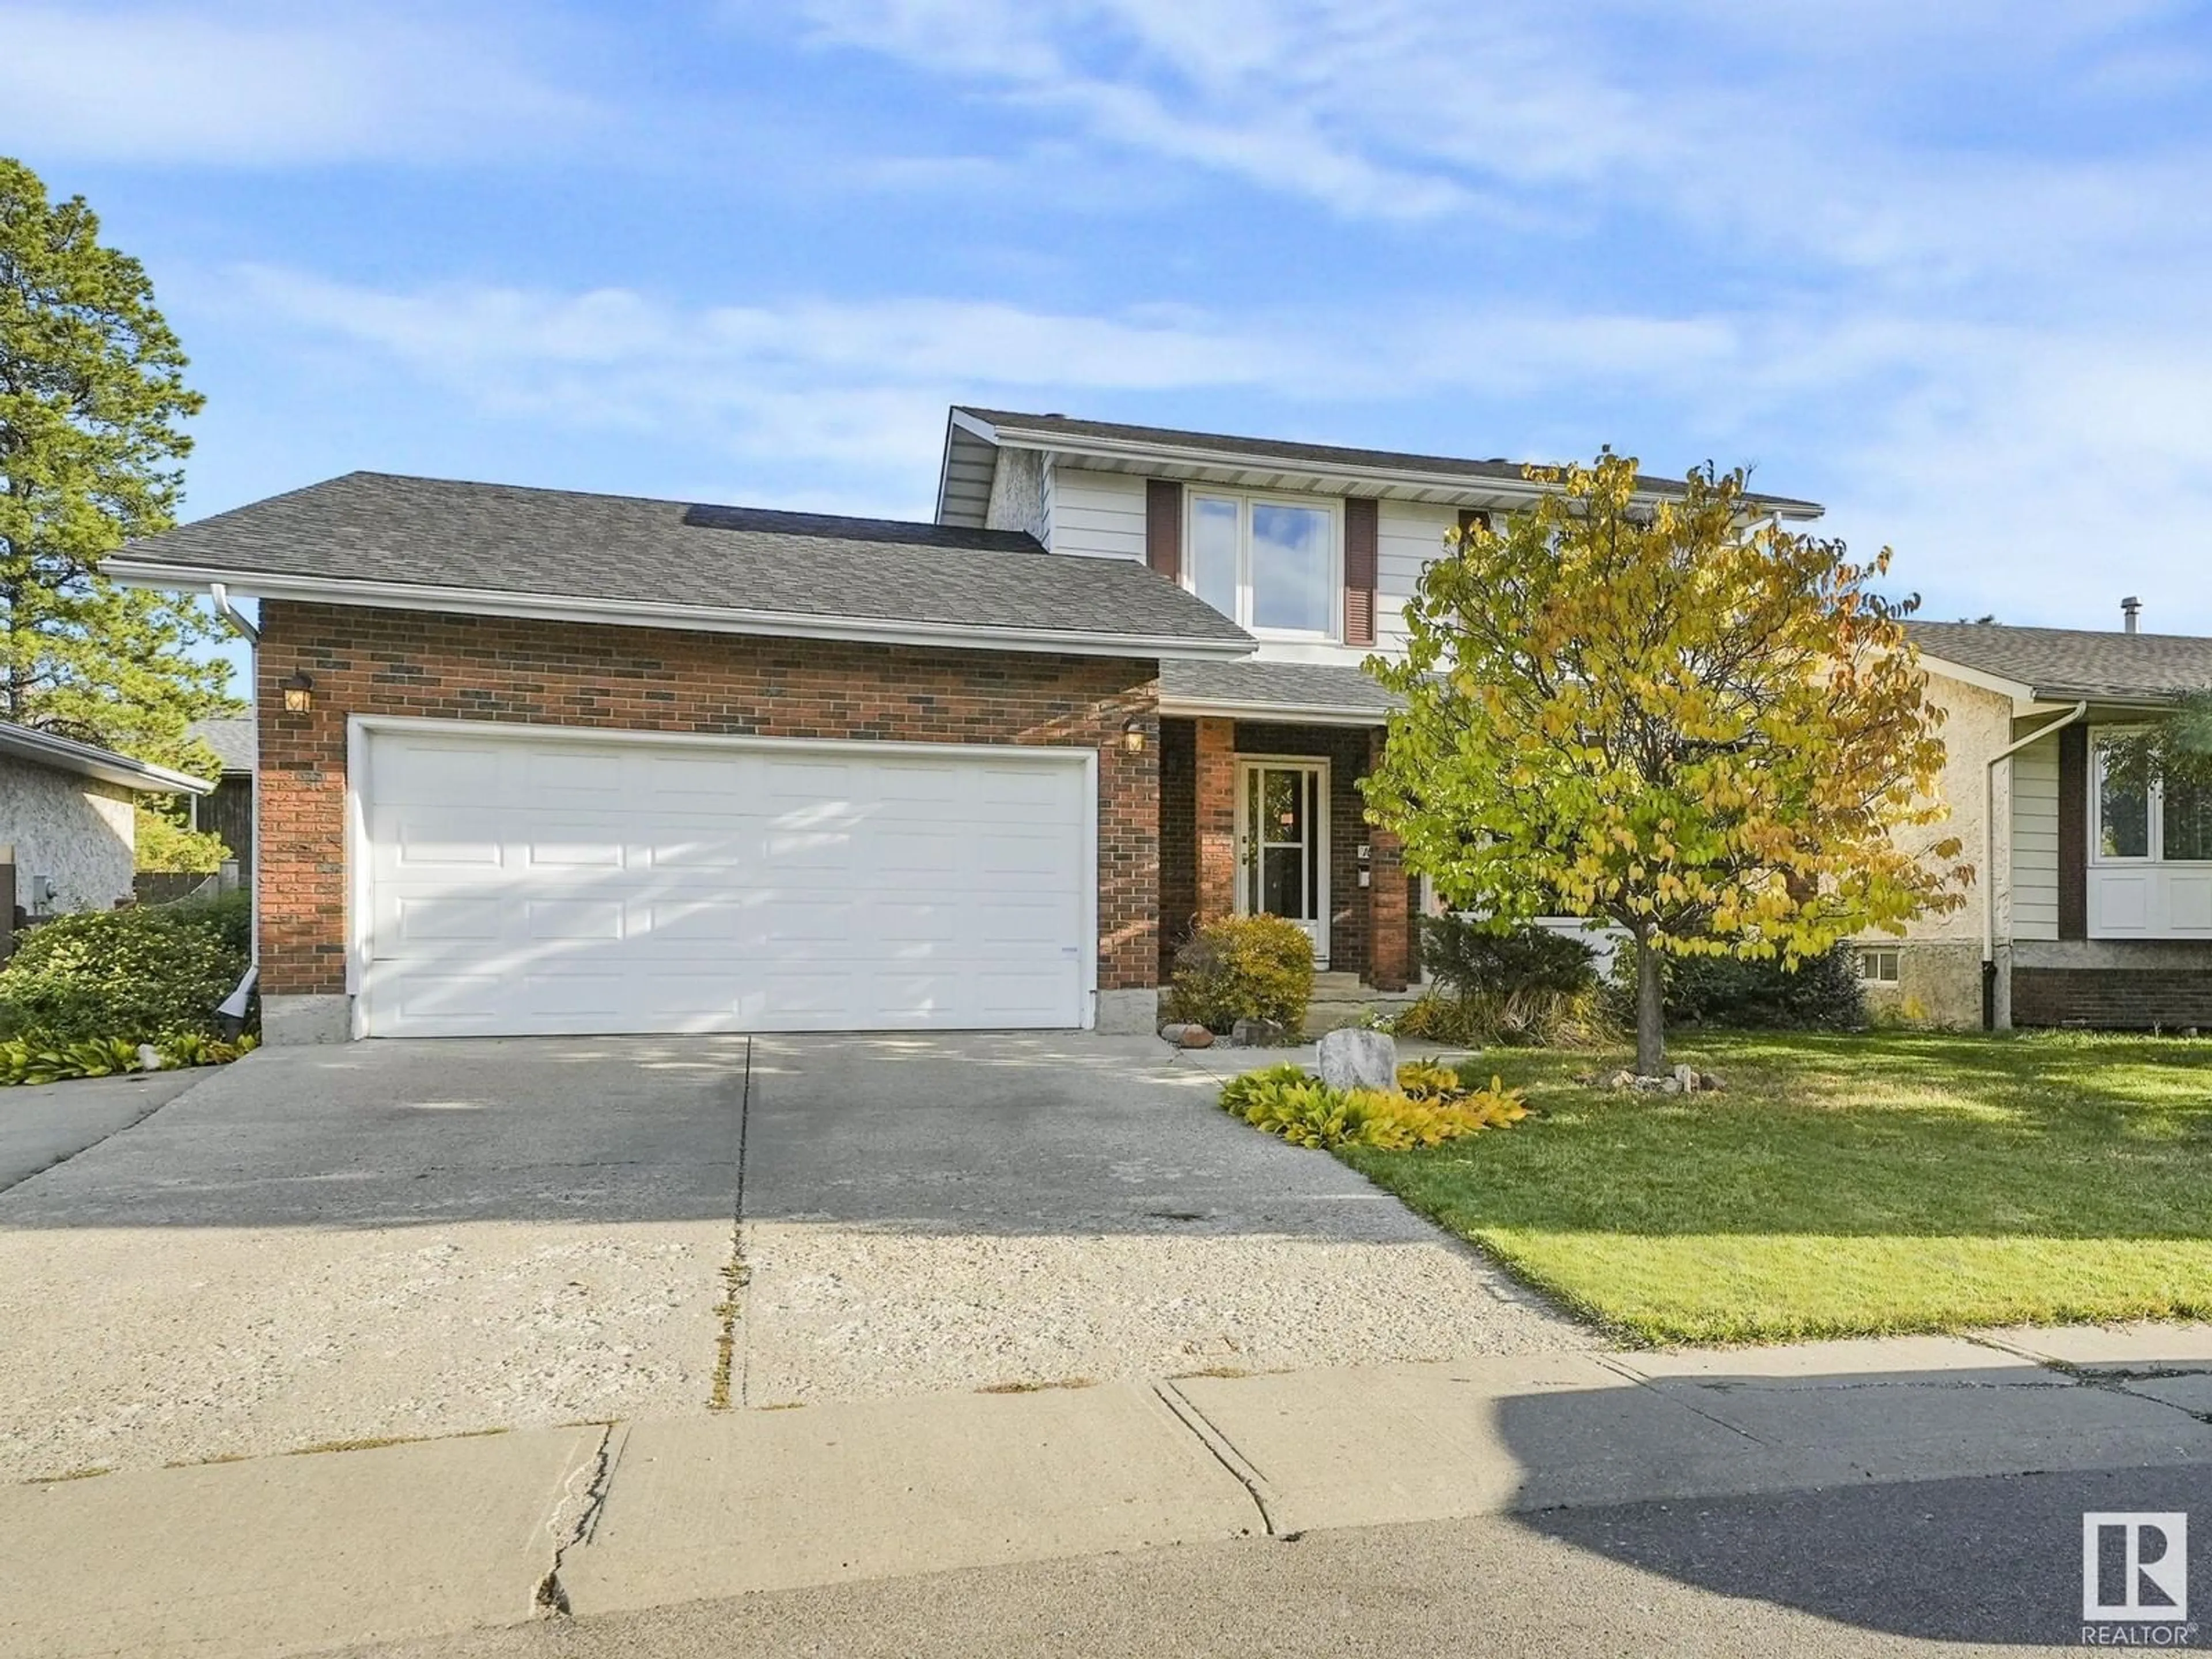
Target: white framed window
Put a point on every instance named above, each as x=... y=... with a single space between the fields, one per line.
x=1271 y=564
x=2137 y=821
x=2184 y=822
x=1878 y=967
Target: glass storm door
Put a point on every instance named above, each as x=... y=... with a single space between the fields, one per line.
x=1282 y=851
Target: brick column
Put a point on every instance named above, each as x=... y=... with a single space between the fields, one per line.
x=1389 y=930
x=1217 y=818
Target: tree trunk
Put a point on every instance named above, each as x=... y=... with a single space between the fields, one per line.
x=1650 y=1010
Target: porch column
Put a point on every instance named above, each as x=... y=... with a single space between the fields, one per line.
x=1387 y=927
x=1217 y=818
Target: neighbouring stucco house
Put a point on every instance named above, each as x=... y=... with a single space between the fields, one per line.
x=67 y=812
x=533 y=761
x=2095 y=906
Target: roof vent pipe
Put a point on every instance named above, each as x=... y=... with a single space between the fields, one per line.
x=2131 y=609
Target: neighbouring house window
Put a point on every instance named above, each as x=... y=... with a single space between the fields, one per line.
x=2186 y=820
x=2122 y=815
x=2167 y=821
x=1878 y=967
x=1271 y=566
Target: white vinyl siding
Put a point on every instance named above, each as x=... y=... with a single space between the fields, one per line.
x=1412 y=534
x=1097 y=515
x=528 y=883
x=2035 y=842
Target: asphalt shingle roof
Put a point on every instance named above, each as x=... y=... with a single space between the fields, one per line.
x=379 y=527
x=2074 y=662
x=1322 y=687
x=233 y=738
x=1314 y=455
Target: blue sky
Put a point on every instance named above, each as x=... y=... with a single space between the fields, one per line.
x=1947 y=268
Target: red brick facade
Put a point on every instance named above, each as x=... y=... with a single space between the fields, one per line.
x=1389 y=955
x=1178 y=839
x=366 y=661
x=1216 y=817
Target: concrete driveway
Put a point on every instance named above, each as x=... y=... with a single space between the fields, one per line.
x=43 y=1123
x=947 y=1212
x=397 y=1239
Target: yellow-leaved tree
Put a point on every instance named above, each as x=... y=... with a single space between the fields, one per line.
x=1675 y=715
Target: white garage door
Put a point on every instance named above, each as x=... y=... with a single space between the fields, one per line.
x=523 y=884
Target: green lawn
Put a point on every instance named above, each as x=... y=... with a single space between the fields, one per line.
x=1846 y=1185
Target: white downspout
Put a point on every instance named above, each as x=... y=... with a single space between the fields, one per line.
x=231 y=614
x=1989 y=855
x=234 y=1006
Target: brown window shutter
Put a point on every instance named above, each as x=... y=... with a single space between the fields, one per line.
x=1471 y=517
x=2073 y=833
x=1362 y=533
x=1164 y=527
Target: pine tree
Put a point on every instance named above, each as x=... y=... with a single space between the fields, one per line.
x=92 y=402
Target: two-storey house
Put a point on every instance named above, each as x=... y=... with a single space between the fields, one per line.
x=531 y=761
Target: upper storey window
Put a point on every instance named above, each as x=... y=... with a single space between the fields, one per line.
x=1273 y=566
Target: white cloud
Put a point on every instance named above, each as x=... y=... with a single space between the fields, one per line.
x=519 y=345
x=253 y=85
x=2043 y=476
x=1792 y=128
x=2026 y=469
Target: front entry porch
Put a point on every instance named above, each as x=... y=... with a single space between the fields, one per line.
x=1264 y=817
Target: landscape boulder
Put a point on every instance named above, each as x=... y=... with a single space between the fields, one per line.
x=1355 y=1058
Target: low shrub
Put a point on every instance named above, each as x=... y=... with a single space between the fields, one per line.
x=1821 y=994
x=137 y=975
x=38 y=1058
x=163 y=843
x=1243 y=968
x=1545 y=1020
x=1470 y=959
x=1287 y=1101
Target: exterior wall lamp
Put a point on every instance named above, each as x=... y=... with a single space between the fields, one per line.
x=299 y=689
x=1133 y=735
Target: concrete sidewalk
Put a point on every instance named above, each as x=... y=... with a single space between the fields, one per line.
x=287 y=1555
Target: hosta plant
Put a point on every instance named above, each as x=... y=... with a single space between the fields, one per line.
x=1432 y=1107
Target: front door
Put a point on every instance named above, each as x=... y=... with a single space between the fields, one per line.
x=1282 y=845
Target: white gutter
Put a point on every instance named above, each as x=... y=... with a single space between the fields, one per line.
x=1289 y=714
x=477 y=601
x=1990 y=843
x=88 y=761
x=2018 y=690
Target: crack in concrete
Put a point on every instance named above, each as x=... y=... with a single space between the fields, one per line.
x=1935 y=1379
x=1736 y=1428
x=733 y=1372
x=2113 y=1379
x=548 y=1599
x=1224 y=1453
